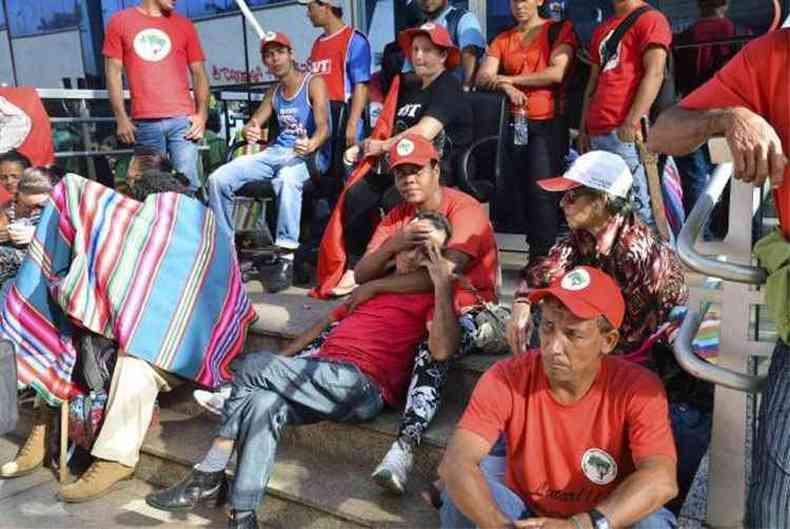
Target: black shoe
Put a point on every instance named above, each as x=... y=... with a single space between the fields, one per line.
x=196 y=488
x=276 y=274
x=249 y=521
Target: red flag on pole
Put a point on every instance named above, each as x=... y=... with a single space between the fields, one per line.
x=24 y=125
x=332 y=253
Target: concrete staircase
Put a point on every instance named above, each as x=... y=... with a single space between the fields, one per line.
x=322 y=473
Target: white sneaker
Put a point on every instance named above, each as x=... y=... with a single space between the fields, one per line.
x=212 y=401
x=393 y=471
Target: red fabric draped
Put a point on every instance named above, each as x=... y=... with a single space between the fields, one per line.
x=332 y=253
x=37 y=144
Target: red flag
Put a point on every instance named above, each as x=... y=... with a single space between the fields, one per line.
x=24 y=125
x=332 y=253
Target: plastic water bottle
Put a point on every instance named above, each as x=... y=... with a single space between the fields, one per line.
x=520 y=127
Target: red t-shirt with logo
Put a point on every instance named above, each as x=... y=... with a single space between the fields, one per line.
x=328 y=59
x=380 y=337
x=563 y=459
x=758 y=78
x=473 y=235
x=619 y=80
x=517 y=59
x=156 y=53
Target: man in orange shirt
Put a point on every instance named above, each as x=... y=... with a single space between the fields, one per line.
x=747 y=102
x=589 y=443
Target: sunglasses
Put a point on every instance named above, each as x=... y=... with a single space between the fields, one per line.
x=572 y=195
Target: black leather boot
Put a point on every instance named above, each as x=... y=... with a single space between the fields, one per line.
x=249 y=521
x=276 y=274
x=196 y=488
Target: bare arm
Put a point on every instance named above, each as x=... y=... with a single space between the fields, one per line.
x=444 y=335
x=304 y=339
x=252 y=130
x=592 y=83
x=200 y=87
x=654 y=62
x=465 y=483
x=320 y=102
x=755 y=146
x=554 y=73
x=428 y=127
x=113 y=72
x=642 y=493
x=469 y=64
x=487 y=72
x=359 y=98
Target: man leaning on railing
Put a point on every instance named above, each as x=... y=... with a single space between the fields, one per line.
x=747 y=102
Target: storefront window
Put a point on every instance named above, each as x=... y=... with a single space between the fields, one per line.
x=29 y=17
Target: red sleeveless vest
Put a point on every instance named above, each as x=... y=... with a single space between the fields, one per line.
x=328 y=59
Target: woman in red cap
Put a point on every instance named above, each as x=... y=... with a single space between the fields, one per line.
x=432 y=107
x=528 y=63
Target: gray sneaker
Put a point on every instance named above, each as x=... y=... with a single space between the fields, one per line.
x=393 y=471
x=212 y=401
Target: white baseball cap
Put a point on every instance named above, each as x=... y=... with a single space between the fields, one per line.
x=600 y=170
x=333 y=3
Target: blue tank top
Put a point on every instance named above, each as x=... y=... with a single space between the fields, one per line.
x=295 y=119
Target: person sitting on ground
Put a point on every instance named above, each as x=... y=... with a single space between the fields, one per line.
x=356 y=368
x=417 y=174
x=145 y=158
x=18 y=220
x=152 y=264
x=12 y=165
x=588 y=436
x=534 y=58
x=434 y=109
x=300 y=104
x=606 y=233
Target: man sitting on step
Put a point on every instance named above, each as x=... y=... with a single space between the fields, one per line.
x=345 y=375
x=589 y=443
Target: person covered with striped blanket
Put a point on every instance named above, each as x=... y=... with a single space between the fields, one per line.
x=151 y=273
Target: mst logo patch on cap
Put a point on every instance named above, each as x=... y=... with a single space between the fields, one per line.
x=599 y=466
x=405 y=147
x=577 y=279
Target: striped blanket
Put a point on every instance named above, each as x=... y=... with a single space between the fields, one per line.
x=155 y=277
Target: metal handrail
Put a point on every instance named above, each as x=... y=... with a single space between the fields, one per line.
x=704 y=370
x=708 y=266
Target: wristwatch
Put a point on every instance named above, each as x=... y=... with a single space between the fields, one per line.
x=599 y=520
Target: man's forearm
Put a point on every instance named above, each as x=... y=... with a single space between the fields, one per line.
x=469 y=63
x=373 y=265
x=640 y=495
x=472 y=496
x=202 y=94
x=546 y=77
x=645 y=96
x=679 y=131
x=445 y=336
x=304 y=339
x=411 y=283
x=359 y=98
x=115 y=92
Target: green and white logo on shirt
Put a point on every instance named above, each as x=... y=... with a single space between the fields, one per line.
x=152 y=45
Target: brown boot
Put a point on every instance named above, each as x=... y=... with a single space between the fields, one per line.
x=97 y=481
x=32 y=453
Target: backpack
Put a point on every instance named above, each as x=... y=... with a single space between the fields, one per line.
x=667 y=95
x=453 y=19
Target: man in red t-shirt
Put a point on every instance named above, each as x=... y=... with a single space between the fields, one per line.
x=342 y=57
x=160 y=50
x=343 y=374
x=748 y=102
x=620 y=92
x=415 y=167
x=589 y=444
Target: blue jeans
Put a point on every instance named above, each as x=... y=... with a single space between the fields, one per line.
x=271 y=391
x=288 y=174
x=167 y=135
x=768 y=504
x=514 y=508
x=641 y=194
x=695 y=170
x=691 y=428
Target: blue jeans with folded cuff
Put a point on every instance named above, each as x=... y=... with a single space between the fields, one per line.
x=515 y=508
x=288 y=173
x=167 y=136
x=271 y=391
x=628 y=152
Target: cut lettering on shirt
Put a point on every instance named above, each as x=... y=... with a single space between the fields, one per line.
x=322 y=67
x=152 y=45
x=614 y=60
x=410 y=110
x=599 y=466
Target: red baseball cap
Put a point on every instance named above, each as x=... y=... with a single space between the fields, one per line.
x=438 y=35
x=275 y=37
x=412 y=149
x=588 y=293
